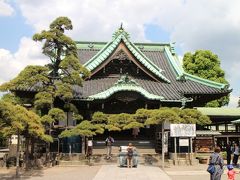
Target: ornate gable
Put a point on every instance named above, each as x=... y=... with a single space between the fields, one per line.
x=121 y=47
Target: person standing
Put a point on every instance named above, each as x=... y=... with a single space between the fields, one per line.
x=109 y=142
x=229 y=152
x=218 y=163
x=135 y=132
x=235 y=154
x=130 y=155
x=89 y=147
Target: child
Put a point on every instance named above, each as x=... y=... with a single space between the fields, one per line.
x=231 y=173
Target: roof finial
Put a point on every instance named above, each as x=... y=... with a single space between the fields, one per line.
x=121 y=26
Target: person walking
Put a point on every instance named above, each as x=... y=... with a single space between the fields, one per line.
x=229 y=152
x=130 y=155
x=217 y=161
x=235 y=154
x=109 y=142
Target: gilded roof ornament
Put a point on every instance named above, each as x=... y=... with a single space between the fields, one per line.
x=120 y=31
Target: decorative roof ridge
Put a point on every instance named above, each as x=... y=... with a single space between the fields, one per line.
x=182 y=75
x=89 y=49
x=110 y=47
x=87 y=42
x=177 y=100
x=125 y=84
x=126 y=80
x=177 y=70
x=135 y=43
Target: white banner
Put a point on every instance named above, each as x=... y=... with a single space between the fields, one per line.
x=183 y=130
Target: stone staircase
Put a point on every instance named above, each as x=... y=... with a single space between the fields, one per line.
x=145 y=157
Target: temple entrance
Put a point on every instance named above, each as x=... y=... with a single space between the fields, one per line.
x=141 y=138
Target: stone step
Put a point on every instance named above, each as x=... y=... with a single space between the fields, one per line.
x=143 y=144
x=183 y=162
x=115 y=150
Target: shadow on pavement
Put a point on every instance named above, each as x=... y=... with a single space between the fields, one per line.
x=10 y=175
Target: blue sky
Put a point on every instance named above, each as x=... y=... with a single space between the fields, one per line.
x=212 y=25
x=14 y=29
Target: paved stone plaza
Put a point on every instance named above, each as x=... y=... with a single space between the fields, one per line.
x=113 y=172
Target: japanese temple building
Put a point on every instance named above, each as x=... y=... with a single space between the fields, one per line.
x=126 y=76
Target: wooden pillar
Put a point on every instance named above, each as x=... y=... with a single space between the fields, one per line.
x=191 y=151
x=175 y=150
x=163 y=140
x=17 y=159
x=226 y=127
x=213 y=139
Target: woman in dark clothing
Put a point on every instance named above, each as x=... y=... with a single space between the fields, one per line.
x=229 y=153
x=235 y=154
x=217 y=160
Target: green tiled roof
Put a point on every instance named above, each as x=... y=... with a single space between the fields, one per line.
x=207 y=132
x=105 y=52
x=125 y=84
x=181 y=75
x=220 y=111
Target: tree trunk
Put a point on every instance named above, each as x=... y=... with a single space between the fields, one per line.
x=32 y=153
x=27 y=153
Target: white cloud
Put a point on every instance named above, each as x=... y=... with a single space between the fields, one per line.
x=28 y=53
x=233 y=101
x=213 y=25
x=5 y=8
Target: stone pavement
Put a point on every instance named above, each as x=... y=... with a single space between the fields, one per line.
x=113 y=172
x=196 y=172
x=54 y=173
x=104 y=172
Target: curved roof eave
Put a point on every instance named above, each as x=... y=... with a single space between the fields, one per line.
x=109 y=92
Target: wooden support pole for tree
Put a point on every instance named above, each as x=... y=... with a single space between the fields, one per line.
x=175 y=150
x=191 y=151
x=163 y=145
x=17 y=159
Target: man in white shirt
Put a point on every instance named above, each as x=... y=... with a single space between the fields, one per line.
x=109 y=142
